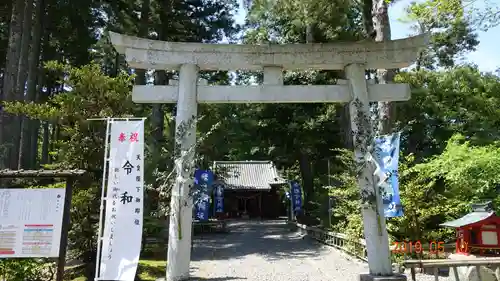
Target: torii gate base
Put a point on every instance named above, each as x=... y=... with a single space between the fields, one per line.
x=370 y=277
x=189 y=58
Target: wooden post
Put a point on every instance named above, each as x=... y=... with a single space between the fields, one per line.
x=260 y=204
x=66 y=220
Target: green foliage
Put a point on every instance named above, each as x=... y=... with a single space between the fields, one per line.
x=286 y=21
x=80 y=145
x=27 y=269
x=449 y=157
x=438 y=190
x=452 y=33
x=346 y=194
x=480 y=14
x=88 y=86
x=462 y=100
x=444 y=188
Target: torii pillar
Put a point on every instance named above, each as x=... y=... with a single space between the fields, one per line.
x=354 y=58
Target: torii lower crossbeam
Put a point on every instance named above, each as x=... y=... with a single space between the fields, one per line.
x=270 y=93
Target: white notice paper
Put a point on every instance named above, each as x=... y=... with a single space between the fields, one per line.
x=30 y=222
x=121 y=244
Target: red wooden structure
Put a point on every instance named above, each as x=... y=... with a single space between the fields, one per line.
x=477 y=232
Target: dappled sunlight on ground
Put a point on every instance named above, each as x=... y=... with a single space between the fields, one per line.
x=268 y=250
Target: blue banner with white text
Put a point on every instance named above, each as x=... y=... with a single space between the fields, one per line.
x=219 y=198
x=386 y=155
x=296 y=192
x=203 y=179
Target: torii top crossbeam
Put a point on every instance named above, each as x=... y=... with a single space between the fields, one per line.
x=153 y=54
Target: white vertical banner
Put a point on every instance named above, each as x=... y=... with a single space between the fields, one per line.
x=122 y=237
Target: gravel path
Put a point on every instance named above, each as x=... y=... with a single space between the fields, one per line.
x=267 y=250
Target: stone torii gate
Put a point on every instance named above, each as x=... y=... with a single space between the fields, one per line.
x=353 y=57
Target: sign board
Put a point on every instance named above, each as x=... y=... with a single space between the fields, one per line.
x=30 y=222
x=296 y=197
x=122 y=237
x=386 y=155
x=203 y=179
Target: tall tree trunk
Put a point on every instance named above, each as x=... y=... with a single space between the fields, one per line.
x=344 y=119
x=304 y=160
x=44 y=96
x=53 y=133
x=10 y=129
x=367 y=7
x=22 y=73
x=54 y=137
x=420 y=56
x=45 y=143
x=46 y=134
x=158 y=114
x=382 y=28
x=158 y=120
x=5 y=10
x=35 y=133
x=116 y=66
x=306 y=174
x=140 y=78
x=28 y=153
x=22 y=69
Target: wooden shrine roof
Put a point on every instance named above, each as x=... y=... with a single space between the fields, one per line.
x=468 y=219
x=480 y=212
x=247 y=175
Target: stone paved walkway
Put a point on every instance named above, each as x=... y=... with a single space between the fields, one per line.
x=268 y=250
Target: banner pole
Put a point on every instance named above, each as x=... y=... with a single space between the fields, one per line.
x=116 y=118
x=61 y=262
x=103 y=194
x=291 y=201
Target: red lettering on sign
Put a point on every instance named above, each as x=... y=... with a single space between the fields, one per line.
x=122 y=137
x=134 y=137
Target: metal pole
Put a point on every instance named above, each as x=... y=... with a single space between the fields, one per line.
x=329 y=181
x=329 y=211
x=61 y=262
x=117 y=118
x=103 y=194
x=291 y=201
x=329 y=198
x=213 y=200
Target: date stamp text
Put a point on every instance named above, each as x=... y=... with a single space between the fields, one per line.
x=410 y=247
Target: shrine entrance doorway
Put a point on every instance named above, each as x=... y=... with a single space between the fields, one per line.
x=251 y=204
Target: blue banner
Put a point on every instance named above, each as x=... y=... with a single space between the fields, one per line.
x=219 y=198
x=386 y=155
x=296 y=197
x=203 y=179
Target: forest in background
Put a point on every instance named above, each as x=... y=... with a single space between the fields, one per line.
x=57 y=69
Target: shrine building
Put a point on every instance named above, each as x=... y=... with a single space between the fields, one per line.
x=250 y=189
x=477 y=231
